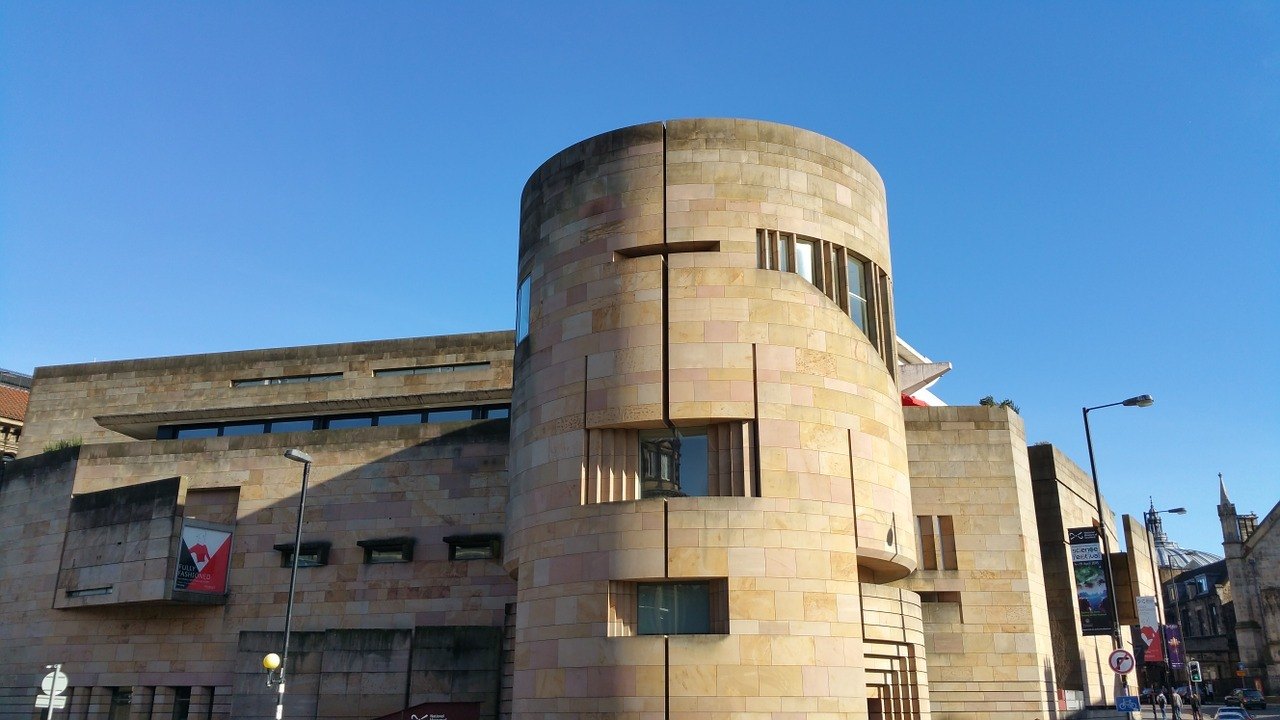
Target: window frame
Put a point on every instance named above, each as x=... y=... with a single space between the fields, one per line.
x=650 y=485
x=317 y=549
x=400 y=550
x=480 y=546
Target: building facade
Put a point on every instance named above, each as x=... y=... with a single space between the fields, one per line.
x=15 y=392
x=1252 y=550
x=685 y=487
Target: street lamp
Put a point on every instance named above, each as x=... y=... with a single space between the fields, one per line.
x=1151 y=519
x=277 y=664
x=1135 y=401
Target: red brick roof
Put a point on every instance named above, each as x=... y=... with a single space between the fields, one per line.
x=13 y=402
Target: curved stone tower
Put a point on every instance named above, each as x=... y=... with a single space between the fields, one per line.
x=709 y=488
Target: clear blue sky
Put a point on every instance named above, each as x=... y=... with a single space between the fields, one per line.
x=1084 y=197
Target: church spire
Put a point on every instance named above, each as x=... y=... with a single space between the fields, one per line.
x=1222 y=492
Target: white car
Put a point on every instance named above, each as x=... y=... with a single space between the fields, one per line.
x=1232 y=713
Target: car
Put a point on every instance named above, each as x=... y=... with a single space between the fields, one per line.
x=1232 y=713
x=1235 y=697
x=1254 y=700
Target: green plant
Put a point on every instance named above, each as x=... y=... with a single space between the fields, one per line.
x=63 y=444
x=990 y=401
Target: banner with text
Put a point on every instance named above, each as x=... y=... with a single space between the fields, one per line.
x=203 y=558
x=1149 y=625
x=1092 y=594
x=1176 y=656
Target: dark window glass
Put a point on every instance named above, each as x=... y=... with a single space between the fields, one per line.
x=181 y=703
x=185 y=433
x=120 y=700
x=673 y=465
x=252 y=428
x=522 y=308
x=400 y=419
x=677 y=608
x=449 y=415
x=284 y=426
x=857 y=273
x=290 y=380
x=349 y=422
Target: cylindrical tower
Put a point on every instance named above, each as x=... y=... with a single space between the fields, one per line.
x=708 y=466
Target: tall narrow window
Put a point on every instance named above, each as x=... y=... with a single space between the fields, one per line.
x=857 y=289
x=522 y=308
x=937 y=545
x=806 y=258
x=181 y=703
x=783 y=252
x=121 y=698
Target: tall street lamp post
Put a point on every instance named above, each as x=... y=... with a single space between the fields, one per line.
x=1151 y=518
x=277 y=664
x=1135 y=401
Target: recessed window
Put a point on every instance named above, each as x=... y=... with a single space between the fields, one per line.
x=414 y=418
x=313 y=554
x=196 y=431
x=286 y=380
x=673 y=463
x=523 y=307
x=432 y=369
x=90 y=592
x=121 y=698
x=181 y=703
x=691 y=607
x=249 y=428
x=453 y=415
x=342 y=423
x=294 y=425
x=387 y=550
x=474 y=547
x=937 y=546
x=806 y=260
x=493 y=413
x=858 y=305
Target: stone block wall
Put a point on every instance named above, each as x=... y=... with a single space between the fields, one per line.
x=986 y=627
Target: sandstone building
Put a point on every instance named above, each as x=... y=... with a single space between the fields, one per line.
x=696 y=482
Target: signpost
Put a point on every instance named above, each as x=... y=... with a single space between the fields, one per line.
x=1120 y=661
x=1128 y=703
x=52 y=686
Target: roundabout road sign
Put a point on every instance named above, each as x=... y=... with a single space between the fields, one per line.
x=1121 y=661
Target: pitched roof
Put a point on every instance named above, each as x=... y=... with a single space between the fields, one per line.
x=13 y=402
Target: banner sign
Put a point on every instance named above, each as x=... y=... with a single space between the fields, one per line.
x=1176 y=656
x=1149 y=625
x=1091 y=582
x=203 y=558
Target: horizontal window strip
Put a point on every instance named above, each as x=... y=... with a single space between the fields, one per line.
x=332 y=422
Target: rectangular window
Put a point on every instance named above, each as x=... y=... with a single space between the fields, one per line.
x=782 y=252
x=387 y=550
x=453 y=415
x=181 y=703
x=474 y=547
x=249 y=428
x=298 y=425
x=679 y=608
x=121 y=698
x=673 y=464
x=343 y=423
x=414 y=418
x=287 y=380
x=493 y=413
x=314 y=554
x=195 y=431
x=806 y=260
x=431 y=369
x=857 y=289
x=523 y=307
x=937 y=546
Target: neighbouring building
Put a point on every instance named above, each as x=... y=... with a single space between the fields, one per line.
x=15 y=391
x=1252 y=550
x=701 y=479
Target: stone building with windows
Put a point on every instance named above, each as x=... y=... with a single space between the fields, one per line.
x=701 y=479
x=1252 y=550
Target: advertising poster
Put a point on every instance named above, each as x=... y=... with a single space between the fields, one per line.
x=1149 y=625
x=1091 y=582
x=1176 y=656
x=203 y=558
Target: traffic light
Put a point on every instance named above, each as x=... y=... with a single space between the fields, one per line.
x=1193 y=668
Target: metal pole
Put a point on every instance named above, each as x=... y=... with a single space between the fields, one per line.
x=1102 y=531
x=293 y=581
x=1150 y=519
x=57 y=669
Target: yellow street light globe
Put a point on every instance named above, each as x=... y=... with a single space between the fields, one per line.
x=271 y=661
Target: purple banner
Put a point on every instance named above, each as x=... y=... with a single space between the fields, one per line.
x=1173 y=633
